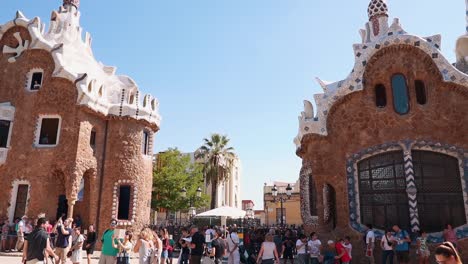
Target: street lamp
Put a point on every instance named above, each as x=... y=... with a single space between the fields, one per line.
x=281 y=198
x=192 y=210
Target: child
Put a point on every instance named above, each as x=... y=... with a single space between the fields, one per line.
x=329 y=253
x=423 y=250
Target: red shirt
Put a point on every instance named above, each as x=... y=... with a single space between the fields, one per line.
x=339 y=250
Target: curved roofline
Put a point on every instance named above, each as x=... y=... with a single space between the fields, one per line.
x=316 y=123
x=75 y=62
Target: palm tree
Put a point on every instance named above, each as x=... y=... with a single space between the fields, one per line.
x=217 y=160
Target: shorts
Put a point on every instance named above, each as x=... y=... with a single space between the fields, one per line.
x=288 y=256
x=90 y=250
x=424 y=253
x=62 y=253
x=165 y=254
x=402 y=256
x=4 y=237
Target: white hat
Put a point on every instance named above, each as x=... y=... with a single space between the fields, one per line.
x=330 y=242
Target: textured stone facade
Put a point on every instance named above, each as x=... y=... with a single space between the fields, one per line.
x=73 y=165
x=349 y=127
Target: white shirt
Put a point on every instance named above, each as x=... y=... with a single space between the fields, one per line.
x=385 y=244
x=302 y=249
x=314 y=246
x=268 y=250
x=370 y=237
x=348 y=248
x=233 y=240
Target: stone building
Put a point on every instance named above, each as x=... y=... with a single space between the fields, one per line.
x=75 y=138
x=388 y=144
x=291 y=212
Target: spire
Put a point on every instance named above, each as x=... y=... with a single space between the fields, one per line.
x=377 y=8
x=75 y=3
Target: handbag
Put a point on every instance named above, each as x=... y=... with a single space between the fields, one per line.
x=123 y=258
x=69 y=254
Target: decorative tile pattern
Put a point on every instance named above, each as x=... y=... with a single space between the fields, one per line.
x=305 y=177
x=406 y=146
x=115 y=203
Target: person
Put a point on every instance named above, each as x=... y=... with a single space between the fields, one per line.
x=450 y=235
x=170 y=250
x=233 y=246
x=124 y=247
x=218 y=248
x=349 y=247
x=387 y=245
x=287 y=249
x=90 y=243
x=77 y=244
x=210 y=233
x=63 y=242
x=329 y=253
x=314 y=245
x=184 y=243
x=36 y=244
x=158 y=248
x=301 y=247
x=423 y=249
x=144 y=246
x=447 y=254
x=341 y=252
x=402 y=241
x=78 y=221
x=108 y=253
x=165 y=245
x=197 y=244
x=20 y=233
x=12 y=235
x=5 y=231
x=370 y=243
x=268 y=251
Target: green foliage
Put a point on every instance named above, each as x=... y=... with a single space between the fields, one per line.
x=174 y=171
x=217 y=160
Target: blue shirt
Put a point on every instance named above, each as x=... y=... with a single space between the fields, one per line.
x=401 y=245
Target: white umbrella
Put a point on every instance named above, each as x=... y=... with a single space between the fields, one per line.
x=225 y=211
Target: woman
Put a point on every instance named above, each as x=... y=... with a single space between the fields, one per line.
x=450 y=235
x=387 y=247
x=165 y=245
x=144 y=246
x=77 y=244
x=423 y=249
x=447 y=254
x=90 y=243
x=124 y=247
x=158 y=248
x=268 y=251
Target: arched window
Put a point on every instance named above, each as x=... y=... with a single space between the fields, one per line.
x=420 y=89
x=400 y=94
x=382 y=191
x=440 y=193
x=380 y=96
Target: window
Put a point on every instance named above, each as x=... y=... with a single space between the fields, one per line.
x=49 y=131
x=440 y=193
x=35 y=80
x=92 y=139
x=145 y=145
x=124 y=203
x=4 y=133
x=279 y=215
x=380 y=96
x=382 y=187
x=420 y=92
x=400 y=94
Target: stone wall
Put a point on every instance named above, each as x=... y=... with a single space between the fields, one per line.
x=355 y=124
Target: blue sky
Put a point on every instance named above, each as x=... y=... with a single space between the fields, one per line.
x=240 y=68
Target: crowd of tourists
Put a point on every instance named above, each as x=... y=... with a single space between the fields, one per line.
x=63 y=240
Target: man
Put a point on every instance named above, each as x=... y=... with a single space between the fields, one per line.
x=185 y=250
x=36 y=243
x=402 y=244
x=370 y=243
x=20 y=233
x=210 y=233
x=219 y=247
x=108 y=253
x=197 y=245
x=341 y=252
x=63 y=243
x=233 y=246
x=301 y=249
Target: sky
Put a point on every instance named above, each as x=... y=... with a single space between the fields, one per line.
x=240 y=68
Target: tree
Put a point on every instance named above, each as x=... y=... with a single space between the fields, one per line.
x=217 y=159
x=174 y=171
